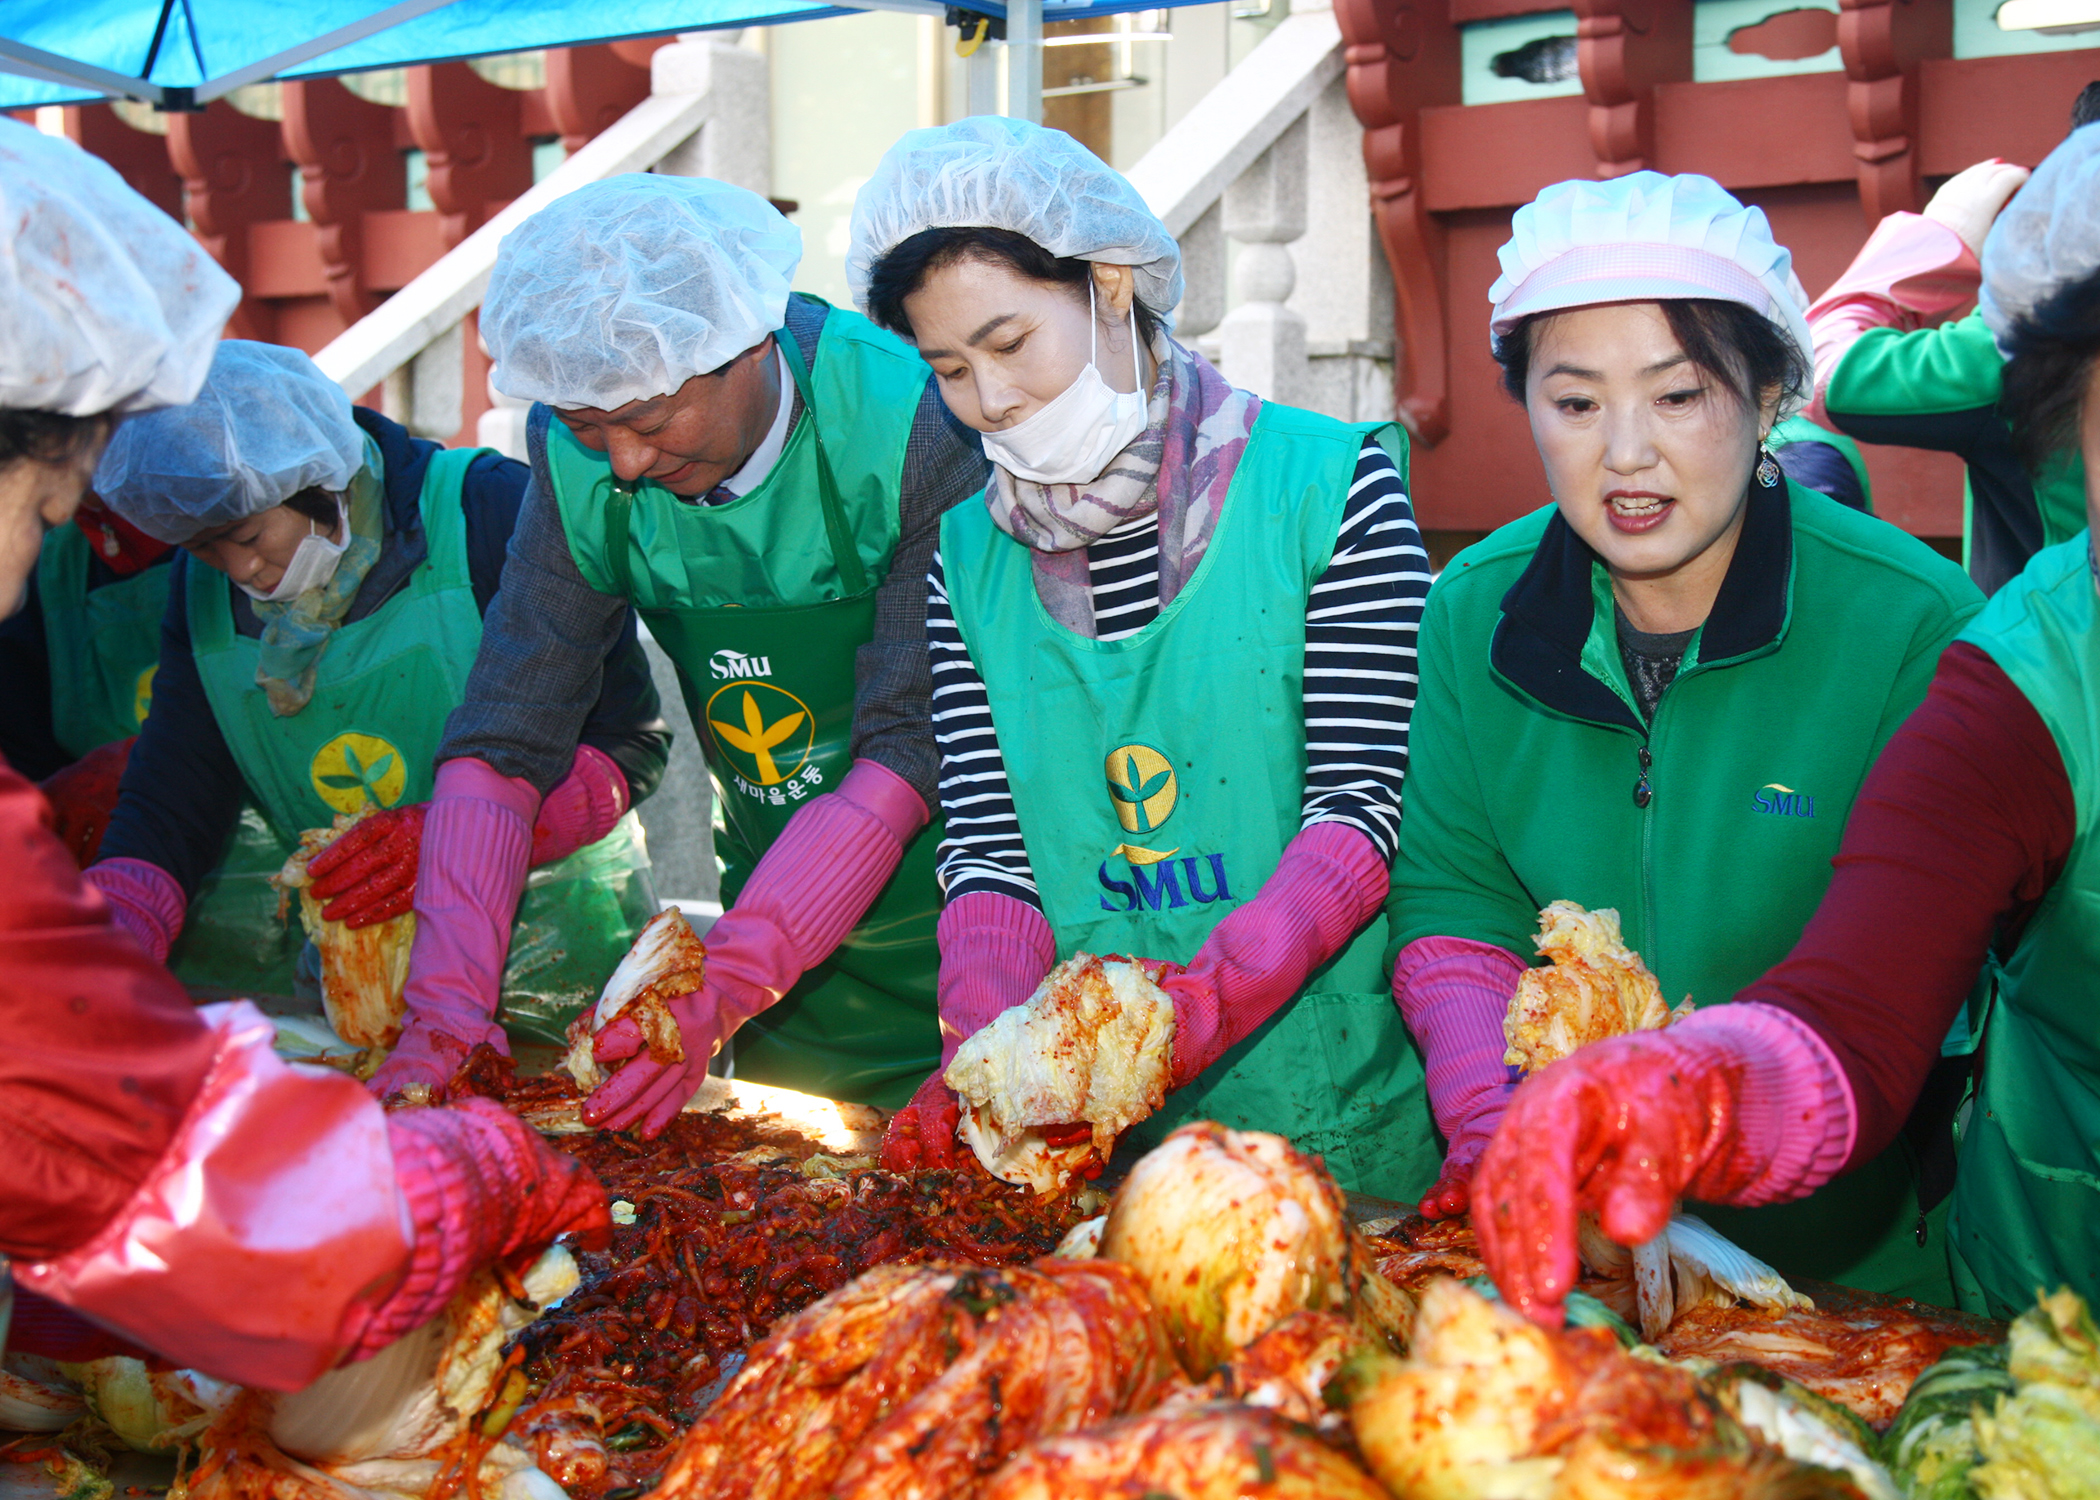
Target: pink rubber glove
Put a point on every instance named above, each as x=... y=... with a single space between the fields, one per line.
x=145 y=900
x=1911 y=269
x=829 y=863
x=480 y=1186
x=1453 y=993
x=1740 y=1104
x=270 y=1227
x=476 y=841
x=1329 y=882
x=995 y=950
x=582 y=809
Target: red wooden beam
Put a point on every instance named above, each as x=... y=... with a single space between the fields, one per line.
x=235 y=176
x=1883 y=42
x=2017 y=108
x=590 y=87
x=1403 y=55
x=350 y=167
x=1625 y=48
x=472 y=141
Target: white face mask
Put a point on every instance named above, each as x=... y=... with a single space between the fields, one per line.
x=1072 y=439
x=312 y=565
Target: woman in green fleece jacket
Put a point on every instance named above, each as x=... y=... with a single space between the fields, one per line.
x=1660 y=693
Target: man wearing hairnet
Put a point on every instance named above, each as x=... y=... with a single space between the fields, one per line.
x=320 y=628
x=161 y=1172
x=762 y=475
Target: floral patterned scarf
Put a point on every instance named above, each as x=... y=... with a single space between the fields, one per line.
x=1178 y=468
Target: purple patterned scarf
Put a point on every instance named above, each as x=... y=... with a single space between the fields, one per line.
x=1179 y=467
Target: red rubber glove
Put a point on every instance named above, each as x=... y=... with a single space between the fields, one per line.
x=84 y=795
x=922 y=1134
x=1739 y=1104
x=369 y=874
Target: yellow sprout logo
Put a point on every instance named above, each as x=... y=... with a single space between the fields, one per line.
x=142 y=694
x=1142 y=788
x=765 y=732
x=353 y=770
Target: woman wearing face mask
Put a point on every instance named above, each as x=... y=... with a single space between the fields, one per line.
x=1659 y=694
x=318 y=632
x=1972 y=842
x=1172 y=656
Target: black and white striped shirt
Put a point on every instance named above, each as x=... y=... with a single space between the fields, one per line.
x=1360 y=624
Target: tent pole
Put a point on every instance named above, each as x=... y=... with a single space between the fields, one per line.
x=1024 y=60
x=319 y=46
x=35 y=62
x=981 y=79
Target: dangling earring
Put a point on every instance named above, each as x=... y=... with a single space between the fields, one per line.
x=1767 y=468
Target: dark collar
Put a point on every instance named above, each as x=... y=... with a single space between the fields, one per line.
x=1548 y=612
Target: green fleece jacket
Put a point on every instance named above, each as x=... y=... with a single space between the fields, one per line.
x=1532 y=779
x=1938 y=388
x=1527 y=752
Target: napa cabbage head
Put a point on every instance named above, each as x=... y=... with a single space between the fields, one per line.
x=2043 y=1441
x=1232 y=1231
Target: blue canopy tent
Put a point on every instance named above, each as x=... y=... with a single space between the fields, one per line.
x=182 y=54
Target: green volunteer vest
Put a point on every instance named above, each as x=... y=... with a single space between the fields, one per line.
x=369 y=737
x=761 y=604
x=103 y=646
x=2027 y=1197
x=1158 y=778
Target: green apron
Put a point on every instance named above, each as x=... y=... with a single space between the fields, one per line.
x=1198 y=723
x=103 y=645
x=370 y=736
x=2027 y=1196
x=761 y=604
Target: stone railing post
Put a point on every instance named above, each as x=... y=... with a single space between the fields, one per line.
x=736 y=143
x=502 y=426
x=1203 y=276
x=1262 y=341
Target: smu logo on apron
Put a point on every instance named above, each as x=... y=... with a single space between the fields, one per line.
x=1144 y=790
x=355 y=771
x=765 y=734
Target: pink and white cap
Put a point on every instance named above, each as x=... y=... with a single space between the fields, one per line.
x=1645 y=237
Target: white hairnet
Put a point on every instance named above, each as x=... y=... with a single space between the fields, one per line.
x=990 y=172
x=267 y=425
x=628 y=288
x=109 y=304
x=2048 y=235
x=1645 y=237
